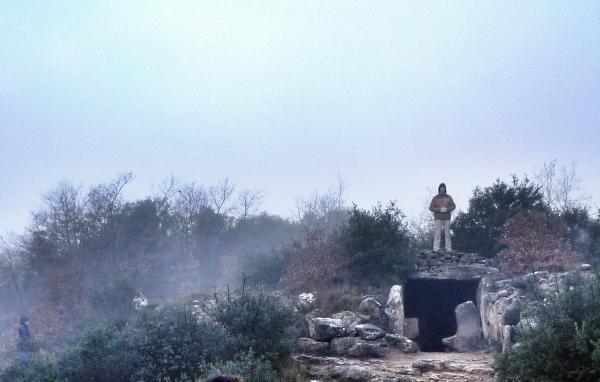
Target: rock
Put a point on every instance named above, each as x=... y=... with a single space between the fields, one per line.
x=512 y=315
x=394 y=310
x=305 y=302
x=349 y=320
x=341 y=345
x=140 y=301
x=585 y=267
x=371 y=307
x=369 y=332
x=325 y=329
x=468 y=335
x=507 y=338
x=310 y=346
x=402 y=343
x=355 y=373
x=424 y=365
x=367 y=349
x=411 y=328
x=312 y=314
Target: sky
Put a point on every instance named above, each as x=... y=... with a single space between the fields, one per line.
x=285 y=96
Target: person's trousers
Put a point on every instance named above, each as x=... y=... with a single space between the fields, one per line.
x=439 y=226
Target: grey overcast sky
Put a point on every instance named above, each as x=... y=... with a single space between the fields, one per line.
x=283 y=96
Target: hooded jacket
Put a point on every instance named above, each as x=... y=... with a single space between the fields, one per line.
x=439 y=201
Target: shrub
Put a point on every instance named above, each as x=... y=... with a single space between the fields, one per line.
x=314 y=262
x=480 y=227
x=38 y=369
x=561 y=342
x=170 y=344
x=535 y=241
x=266 y=268
x=101 y=355
x=248 y=366
x=338 y=298
x=256 y=320
x=377 y=245
x=113 y=302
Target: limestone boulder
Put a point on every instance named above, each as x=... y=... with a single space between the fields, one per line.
x=394 y=310
x=370 y=307
x=369 y=332
x=401 y=343
x=305 y=302
x=311 y=346
x=468 y=335
x=341 y=345
x=325 y=329
x=349 y=320
x=368 y=349
x=411 y=328
x=355 y=373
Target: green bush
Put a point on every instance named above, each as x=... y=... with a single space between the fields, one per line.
x=163 y=345
x=41 y=368
x=256 y=320
x=266 y=268
x=559 y=340
x=480 y=227
x=101 y=355
x=170 y=344
x=248 y=366
x=113 y=302
x=377 y=245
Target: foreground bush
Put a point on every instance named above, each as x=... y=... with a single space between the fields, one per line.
x=170 y=344
x=248 y=366
x=561 y=341
x=256 y=320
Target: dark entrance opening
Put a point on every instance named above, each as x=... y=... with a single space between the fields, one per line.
x=433 y=303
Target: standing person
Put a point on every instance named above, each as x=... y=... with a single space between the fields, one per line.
x=25 y=343
x=442 y=206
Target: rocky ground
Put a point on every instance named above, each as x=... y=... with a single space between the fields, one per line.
x=401 y=367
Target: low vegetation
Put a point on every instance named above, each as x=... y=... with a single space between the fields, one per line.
x=559 y=340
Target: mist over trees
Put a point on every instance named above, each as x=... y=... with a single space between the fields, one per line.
x=89 y=253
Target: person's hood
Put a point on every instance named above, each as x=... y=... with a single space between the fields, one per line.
x=442 y=185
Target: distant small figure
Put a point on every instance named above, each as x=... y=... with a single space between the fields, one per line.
x=225 y=378
x=25 y=344
x=442 y=206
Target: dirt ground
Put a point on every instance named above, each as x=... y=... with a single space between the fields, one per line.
x=401 y=367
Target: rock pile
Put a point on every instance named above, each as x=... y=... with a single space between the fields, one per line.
x=359 y=334
x=427 y=259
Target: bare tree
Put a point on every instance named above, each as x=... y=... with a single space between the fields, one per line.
x=324 y=211
x=563 y=188
x=62 y=217
x=190 y=201
x=546 y=178
x=220 y=196
x=422 y=227
x=167 y=190
x=11 y=263
x=249 y=202
x=103 y=200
